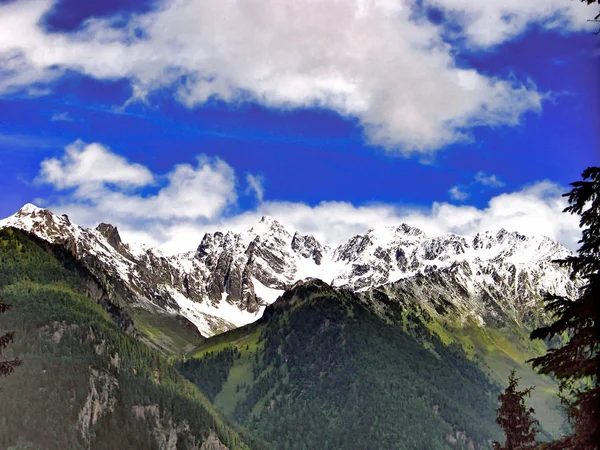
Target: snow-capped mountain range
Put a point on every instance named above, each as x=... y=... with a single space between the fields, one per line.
x=231 y=277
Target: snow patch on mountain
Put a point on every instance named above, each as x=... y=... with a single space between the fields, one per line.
x=209 y=317
x=267 y=294
x=229 y=279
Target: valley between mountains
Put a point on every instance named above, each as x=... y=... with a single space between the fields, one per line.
x=269 y=338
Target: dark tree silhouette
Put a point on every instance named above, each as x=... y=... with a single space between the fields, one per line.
x=576 y=364
x=6 y=366
x=515 y=418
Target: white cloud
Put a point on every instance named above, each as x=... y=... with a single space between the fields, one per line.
x=458 y=193
x=101 y=183
x=89 y=166
x=193 y=199
x=492 y=22
x=256 y=186
x=379 y=61
x=535 y=209
x=488 y=180
x=61 y=117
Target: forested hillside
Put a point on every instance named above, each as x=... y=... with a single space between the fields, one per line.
x=320 y=370
x=324 y=368
x=84 y=382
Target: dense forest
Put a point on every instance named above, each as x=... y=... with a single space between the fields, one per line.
x=322 y=371
x=211 y=371
x=84 y=383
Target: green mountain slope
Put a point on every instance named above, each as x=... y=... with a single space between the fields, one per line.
x=498 y=347
x=84 y=382
x=498 y=351
x=321 y=370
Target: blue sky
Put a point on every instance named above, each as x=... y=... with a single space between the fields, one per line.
x=170 y=118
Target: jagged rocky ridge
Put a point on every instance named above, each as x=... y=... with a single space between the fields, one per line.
x=231 y=277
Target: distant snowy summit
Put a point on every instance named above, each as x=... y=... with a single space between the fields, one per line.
x=231 y=277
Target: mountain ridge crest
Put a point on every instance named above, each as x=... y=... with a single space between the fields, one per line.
x=231 y=277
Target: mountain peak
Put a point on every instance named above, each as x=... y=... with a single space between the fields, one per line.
x=111 y=233
x=39 y=221
x=268 y=220
x=29 y=208
x=407 y=229
x=267 y=224
x=307 y=246
x=386 y=235
x=251 y=269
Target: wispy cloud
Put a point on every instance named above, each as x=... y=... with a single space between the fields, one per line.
x=12 y=140
x=457 y=193
x=255 y=186
x=61 y=117
x=482 y=180
x=489 y=180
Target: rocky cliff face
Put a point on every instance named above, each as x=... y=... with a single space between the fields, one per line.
x=231 y=277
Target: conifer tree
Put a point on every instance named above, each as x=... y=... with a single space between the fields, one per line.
x=576 y=364
x=515 y=418
x=6 y=366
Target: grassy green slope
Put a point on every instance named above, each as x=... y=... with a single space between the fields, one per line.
x=84 y=383
x=172 y=335
x=496 y=347
x=498 y=351
x=319 y=370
